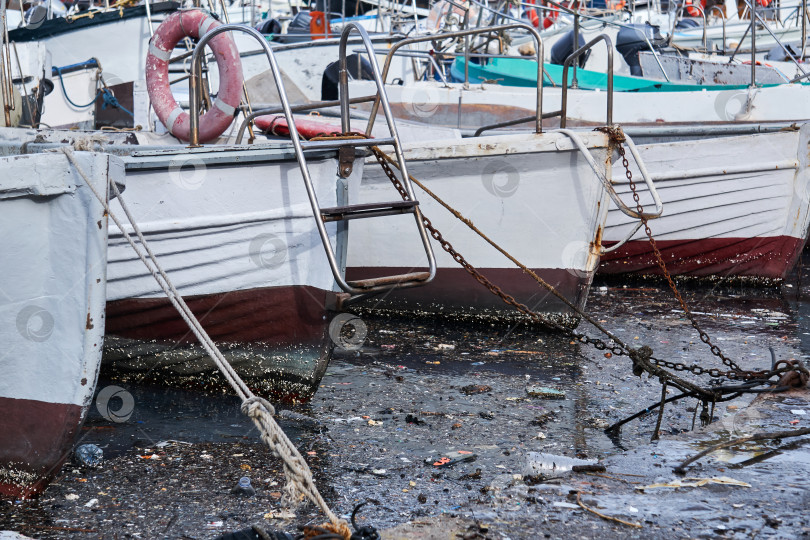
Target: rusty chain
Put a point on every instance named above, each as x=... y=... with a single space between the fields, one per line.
x=617 y=137
x=642 y=358
x=620 y=349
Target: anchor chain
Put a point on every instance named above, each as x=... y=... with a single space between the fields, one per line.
x=617 y=137
x=620 y=349
x=642 y=358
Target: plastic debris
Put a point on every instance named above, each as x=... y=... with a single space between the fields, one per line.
x=89 y=455
x=243 y=488
x=545 y=392
x=11 y=535
x=451 y=458
x=279 y=514
x=541 y=463
x=697 y=482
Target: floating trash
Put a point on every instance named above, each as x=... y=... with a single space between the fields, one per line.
x=89 y=455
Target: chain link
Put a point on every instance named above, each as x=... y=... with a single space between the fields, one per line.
x=599 y=344
x=735 y=372
x=616 y=346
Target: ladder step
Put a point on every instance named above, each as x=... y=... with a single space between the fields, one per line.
x=400 y=279
x=360 y=211
x=337 y=143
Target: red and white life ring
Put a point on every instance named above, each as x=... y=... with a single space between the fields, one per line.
x=548 y=20
x=193 y=23
x=692 y=10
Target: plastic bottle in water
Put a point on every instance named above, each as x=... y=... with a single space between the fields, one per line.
x=243 y=488
x=89 y=455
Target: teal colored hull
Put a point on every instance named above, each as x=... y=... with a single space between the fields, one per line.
x=523 y=72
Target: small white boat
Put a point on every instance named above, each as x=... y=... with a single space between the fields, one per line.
x=51 y=309
x=470 y=108
x=234 y=229
x=735 y=206
x=254 y=236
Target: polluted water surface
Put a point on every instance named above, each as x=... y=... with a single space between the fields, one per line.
x=444 y=427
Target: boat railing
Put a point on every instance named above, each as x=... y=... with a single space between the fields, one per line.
x=756 y=17
x=578 y=15
x=679 y=14
x=723 y=19
x=6 y=81
x=575 y=56
x=345 y=145
x=428 y=57
x=467 y=34
x=752 y=27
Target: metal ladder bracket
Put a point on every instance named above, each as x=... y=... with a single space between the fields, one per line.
x=345 y=161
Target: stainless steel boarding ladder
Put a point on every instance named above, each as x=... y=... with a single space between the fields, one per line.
x=357 y=288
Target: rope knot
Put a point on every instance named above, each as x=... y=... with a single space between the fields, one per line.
x=255 y=406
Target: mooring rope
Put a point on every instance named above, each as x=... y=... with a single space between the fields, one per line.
x=300 y=483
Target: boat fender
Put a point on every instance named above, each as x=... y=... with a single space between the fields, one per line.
x=269 y=27
x=564 y=47
x=277 y=125
x=358 y=67
x=193 y=23
x=686 y=24
x=779 y=54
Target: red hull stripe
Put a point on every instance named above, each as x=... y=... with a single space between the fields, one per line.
x=279 y=316
x=454 y=288
x=769 y=257
x=37 y=439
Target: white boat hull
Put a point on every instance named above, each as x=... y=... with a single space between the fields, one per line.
x=534 y=195
x=51 y=310
x=733 y=206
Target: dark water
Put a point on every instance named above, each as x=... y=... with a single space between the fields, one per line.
x=417 y=391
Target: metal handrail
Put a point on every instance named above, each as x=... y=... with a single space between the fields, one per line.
x=679 y=15
x=194 y=119
x=578 y=15
x=424 y=55
x=573 y=56
x=607 y=183
x=722 y=18
x=464 y=33
x=768 y=28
